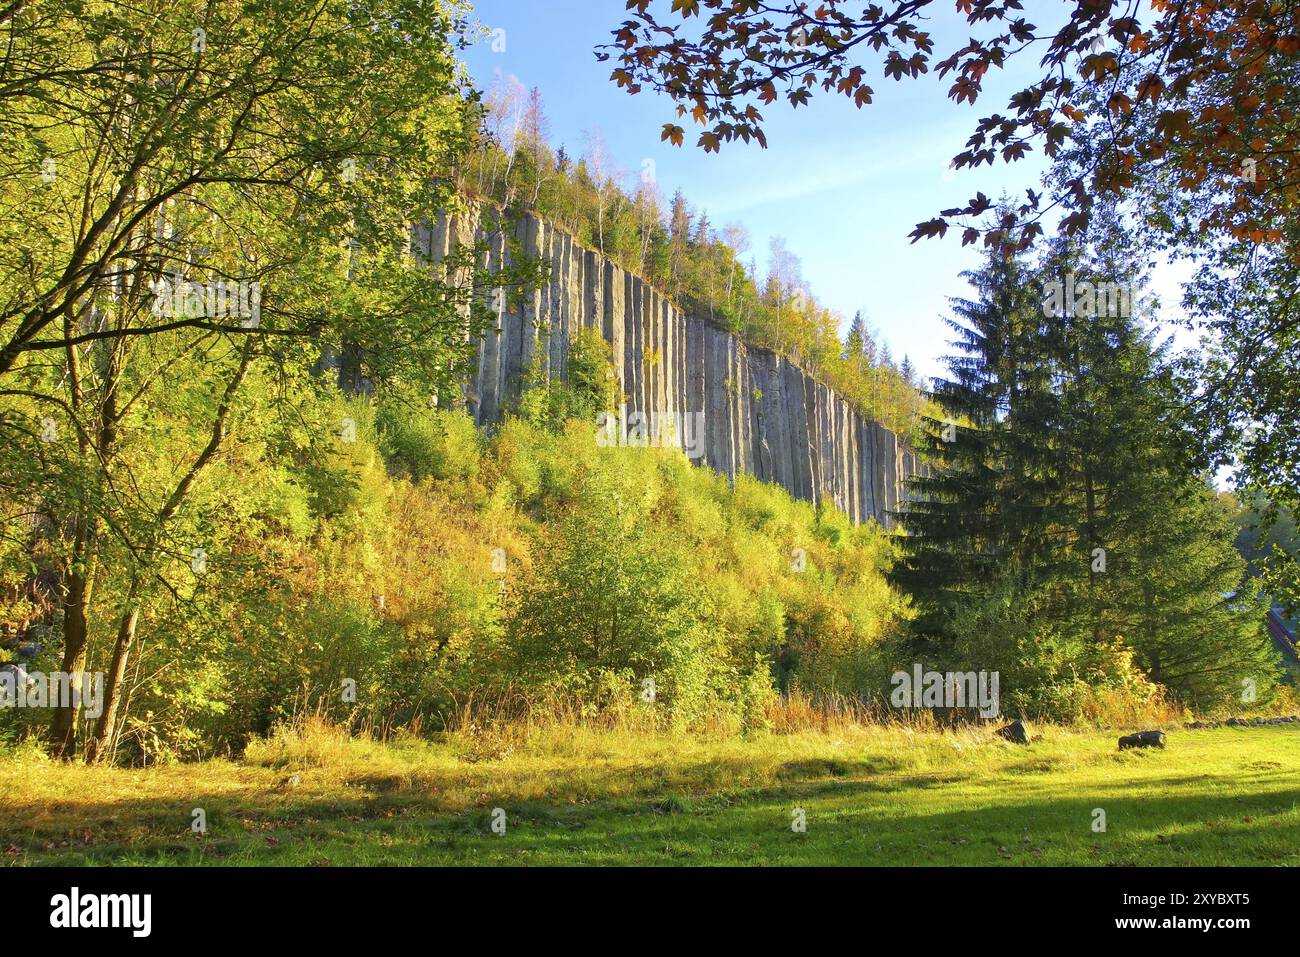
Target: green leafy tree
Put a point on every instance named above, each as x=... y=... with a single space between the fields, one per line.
x=607 y=596
x=171 y=157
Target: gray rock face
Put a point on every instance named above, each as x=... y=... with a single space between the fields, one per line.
x=737 y=408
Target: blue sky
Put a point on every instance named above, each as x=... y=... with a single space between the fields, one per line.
x=843 y=186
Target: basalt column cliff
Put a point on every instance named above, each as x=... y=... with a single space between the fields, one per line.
x=736 y=407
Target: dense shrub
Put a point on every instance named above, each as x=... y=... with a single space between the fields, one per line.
x=423 y=443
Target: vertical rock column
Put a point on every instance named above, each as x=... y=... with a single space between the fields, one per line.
x=490 y=366
x=614 y=328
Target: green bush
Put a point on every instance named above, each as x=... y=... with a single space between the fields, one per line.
x=429 y=443
x=589 y=388
x=609 y=593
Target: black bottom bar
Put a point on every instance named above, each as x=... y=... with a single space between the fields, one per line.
x=368 y=906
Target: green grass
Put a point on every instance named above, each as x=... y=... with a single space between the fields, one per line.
x=573 y=796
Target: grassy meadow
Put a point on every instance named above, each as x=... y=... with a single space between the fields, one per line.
x=882 y=795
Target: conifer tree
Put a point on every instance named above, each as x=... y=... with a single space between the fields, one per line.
x=1065 y=487
x=907 y=371
x=855 y=342
x=979 y=512
x=1154 y=538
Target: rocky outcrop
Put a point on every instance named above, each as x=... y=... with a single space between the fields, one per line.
x=732 y=406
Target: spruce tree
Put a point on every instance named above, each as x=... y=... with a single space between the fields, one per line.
x=1063 y=486
x=908 y=371
x=855 y=342
x=978 y=514
x=1152 y=561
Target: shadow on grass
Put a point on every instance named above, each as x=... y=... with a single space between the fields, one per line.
x=856 y=812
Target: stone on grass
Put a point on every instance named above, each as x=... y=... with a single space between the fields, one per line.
x=1015 y=732
x=1143 y=739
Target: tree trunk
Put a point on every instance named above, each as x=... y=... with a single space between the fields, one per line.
x=101 y=744
x=63 y=729
x=79 y=585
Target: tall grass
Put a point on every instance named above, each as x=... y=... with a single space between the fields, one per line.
x=493 y=726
